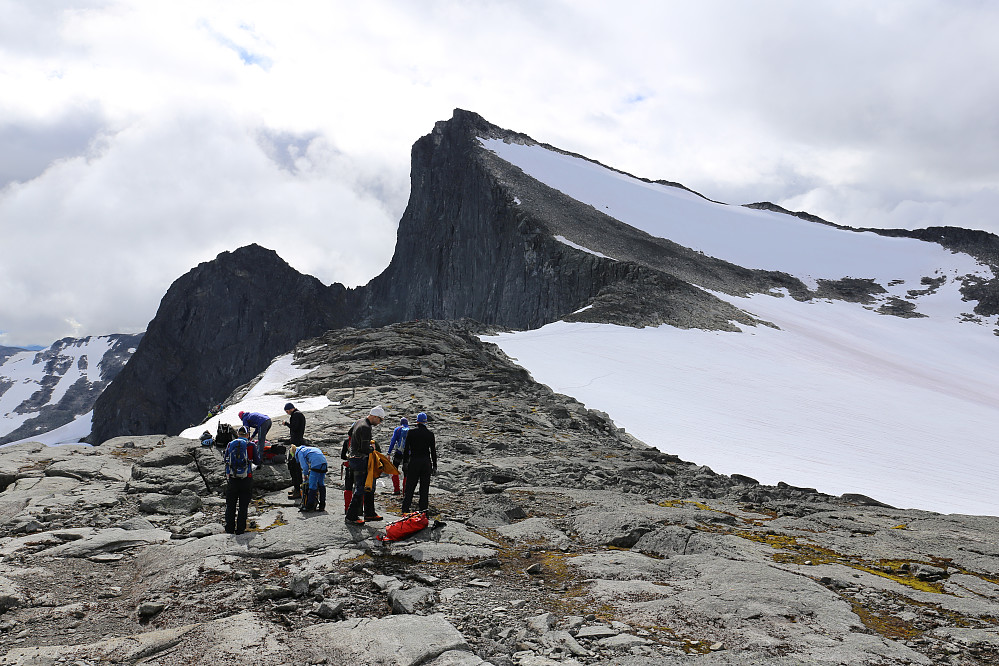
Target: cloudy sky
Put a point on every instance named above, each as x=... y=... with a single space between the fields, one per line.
x=138 y=139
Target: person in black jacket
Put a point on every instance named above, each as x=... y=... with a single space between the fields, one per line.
x=360 y=446
x=419 y=461
x=296 y=438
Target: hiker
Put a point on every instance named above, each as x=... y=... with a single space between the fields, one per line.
x=296 y=438
x=260 y=423
x=360 y=447
x=345 y=471
x=239 y=481
x=395 y=449
x=212 y=411
x=312 y=462
x=419 y=462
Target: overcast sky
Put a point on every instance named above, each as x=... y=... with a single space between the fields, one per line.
x=139 y=138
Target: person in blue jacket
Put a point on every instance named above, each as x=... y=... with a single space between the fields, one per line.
x=314 y=468
x=260 y=423
x=396 y=446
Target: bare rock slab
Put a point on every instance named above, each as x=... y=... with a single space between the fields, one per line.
x=397 y=640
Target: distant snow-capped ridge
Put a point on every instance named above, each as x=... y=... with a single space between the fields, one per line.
x=41 y=391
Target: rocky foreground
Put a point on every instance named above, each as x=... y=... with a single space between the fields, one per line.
x=561 y=540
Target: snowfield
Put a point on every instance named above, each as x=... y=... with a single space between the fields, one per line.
x=839 y=398
x=888 y=412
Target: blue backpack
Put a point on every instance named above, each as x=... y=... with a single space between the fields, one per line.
x=400 y=446
x=237 y=462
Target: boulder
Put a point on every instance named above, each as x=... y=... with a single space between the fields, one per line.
x=183 y=504
x=405 y=601
x=10 y=595
x=402 y=640
x=109 y=540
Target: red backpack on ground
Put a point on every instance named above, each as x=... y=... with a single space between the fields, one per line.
x=410 y=524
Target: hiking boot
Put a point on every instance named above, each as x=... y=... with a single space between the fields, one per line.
x=373 y=519
x=356 y=521
x=321 y=507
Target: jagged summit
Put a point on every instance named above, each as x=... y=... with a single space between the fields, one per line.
x=216 y=327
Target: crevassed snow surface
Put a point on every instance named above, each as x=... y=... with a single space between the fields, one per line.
x=268 y=396
x=747 y=237
x=839 y=399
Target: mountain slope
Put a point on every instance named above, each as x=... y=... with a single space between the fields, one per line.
x=44 y=390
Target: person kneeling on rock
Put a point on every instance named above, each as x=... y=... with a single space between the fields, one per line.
x=314 y=468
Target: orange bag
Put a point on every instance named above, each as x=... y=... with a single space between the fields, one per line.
x=402 y=528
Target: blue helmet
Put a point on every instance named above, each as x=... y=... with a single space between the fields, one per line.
x=421 y=417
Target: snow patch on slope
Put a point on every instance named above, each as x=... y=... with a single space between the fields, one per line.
x=28 y=375
x=72 y=433
x=268 y=396
x=566 y=241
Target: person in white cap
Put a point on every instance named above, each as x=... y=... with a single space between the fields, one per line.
x=357 y=459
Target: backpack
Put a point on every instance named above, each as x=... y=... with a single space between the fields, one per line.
x=225 y=434
x=400 y=448
x=401 y=529
x=345 y=447
x=237 y=462
x=206 y=439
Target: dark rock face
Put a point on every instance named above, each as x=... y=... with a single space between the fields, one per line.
x=217 y=327
x=478 y=240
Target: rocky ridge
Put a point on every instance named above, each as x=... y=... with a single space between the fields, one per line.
x=562 y=540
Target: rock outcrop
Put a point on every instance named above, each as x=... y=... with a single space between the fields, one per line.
x=560 y=539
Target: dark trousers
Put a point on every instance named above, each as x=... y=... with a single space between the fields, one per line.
x=237 y=492
x=418 y=472
x=261 y=436
x=361 y=497
x=295 y=470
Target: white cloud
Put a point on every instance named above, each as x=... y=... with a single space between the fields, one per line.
x=176 y=130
